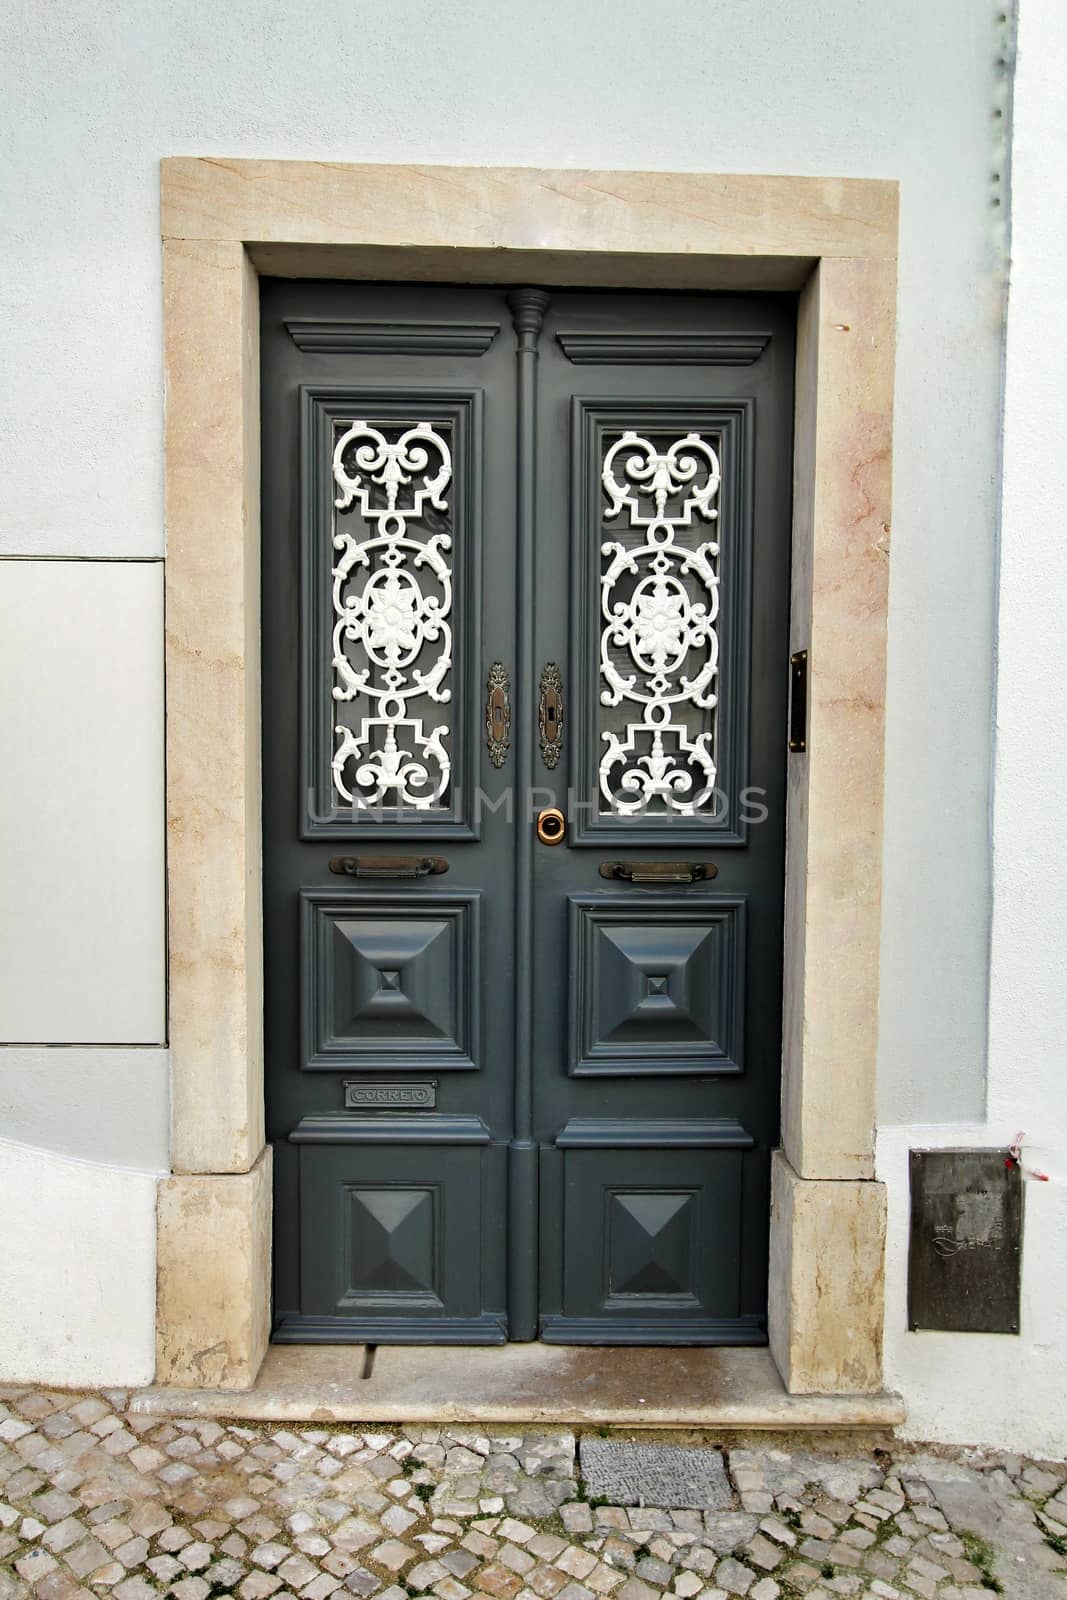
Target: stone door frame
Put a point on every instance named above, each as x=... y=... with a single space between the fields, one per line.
x=832 y=240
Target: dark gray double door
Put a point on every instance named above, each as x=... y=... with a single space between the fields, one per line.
x=525 y=592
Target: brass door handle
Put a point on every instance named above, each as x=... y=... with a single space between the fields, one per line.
x=551 y=825
x=387 y=866
x=659 y=871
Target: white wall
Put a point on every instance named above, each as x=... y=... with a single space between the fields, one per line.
x=81 y=805
x=114 y=1103
x=77 y=1270
x=1003 y=1390
x=81 y=967
x=98 y=90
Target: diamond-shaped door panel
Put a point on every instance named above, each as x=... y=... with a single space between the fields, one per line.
x=651 y=1243
x=391 y=1243
x=399 y=1234
x=657 y=984
x=650 y=1233
x=388 y=982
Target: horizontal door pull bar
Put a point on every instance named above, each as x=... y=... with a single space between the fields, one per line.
x=659 y=871
x=387 y=866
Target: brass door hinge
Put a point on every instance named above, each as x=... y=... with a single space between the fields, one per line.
x=798 y=701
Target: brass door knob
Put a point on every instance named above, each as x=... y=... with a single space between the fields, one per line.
x=551 y=825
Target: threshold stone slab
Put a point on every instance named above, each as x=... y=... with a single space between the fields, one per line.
x=521 y=1385
x=670 y=1476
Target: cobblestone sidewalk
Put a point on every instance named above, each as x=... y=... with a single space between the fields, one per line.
x=96 y=1502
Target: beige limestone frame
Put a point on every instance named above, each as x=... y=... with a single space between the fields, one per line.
x=834 y=241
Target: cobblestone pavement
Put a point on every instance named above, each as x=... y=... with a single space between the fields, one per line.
x=97 y=1502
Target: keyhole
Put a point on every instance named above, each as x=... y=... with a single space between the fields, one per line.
x=551 y=825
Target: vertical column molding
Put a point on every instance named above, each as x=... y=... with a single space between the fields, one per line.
x=840 y=590
x=213 y=764
x=528 y=307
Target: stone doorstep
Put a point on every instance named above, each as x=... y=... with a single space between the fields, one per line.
x=525 y=1384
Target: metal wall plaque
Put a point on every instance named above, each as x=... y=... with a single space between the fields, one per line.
x=965 y=1246
x=389 y=1096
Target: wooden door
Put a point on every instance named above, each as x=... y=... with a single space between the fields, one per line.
x=525 y=584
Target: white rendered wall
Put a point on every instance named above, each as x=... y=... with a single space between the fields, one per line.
x=82 y=967
x=97 y=91
x=1009 y=1391
x=81 y=804
x=113 y=1102
x=77 y=1270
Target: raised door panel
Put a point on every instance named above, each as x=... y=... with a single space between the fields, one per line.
x=395 y=1232
x=652 y=1236
x=390 y=981
x=657 y=984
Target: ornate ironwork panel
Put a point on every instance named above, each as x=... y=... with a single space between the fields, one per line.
x=659 y=648
x=391 y=579
x=663 y=514
x=392 y=600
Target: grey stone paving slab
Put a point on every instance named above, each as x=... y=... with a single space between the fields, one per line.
x=184 y=1508
x=655 y=1475
x=1023 y=1562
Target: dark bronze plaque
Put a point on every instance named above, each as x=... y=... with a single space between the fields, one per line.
x=390 y=1096
x=965 y=1246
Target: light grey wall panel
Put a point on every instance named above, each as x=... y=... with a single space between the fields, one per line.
x=81 y=804
x=110 y=1106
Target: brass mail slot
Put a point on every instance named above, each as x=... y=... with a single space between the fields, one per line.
x=420 y=1096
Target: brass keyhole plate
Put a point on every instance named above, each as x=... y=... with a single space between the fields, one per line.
x=498 y=713
x=551 y=825
x=550 y=714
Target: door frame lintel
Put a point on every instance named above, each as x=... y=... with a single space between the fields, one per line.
x=834 y=241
